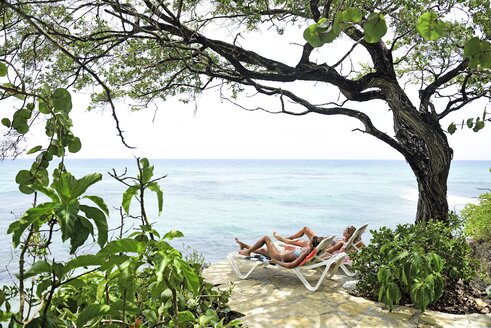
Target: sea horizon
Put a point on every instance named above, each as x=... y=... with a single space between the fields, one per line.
x=214 y=200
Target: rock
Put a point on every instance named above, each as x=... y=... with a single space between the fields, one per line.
x=350 y=285
x=480 y=303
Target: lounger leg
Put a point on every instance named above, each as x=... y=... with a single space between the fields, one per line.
x=233 y=262
x=326 y=271
x=346 y=270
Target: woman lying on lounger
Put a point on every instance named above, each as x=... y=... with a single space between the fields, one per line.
x=337 y=244
x=287 y=259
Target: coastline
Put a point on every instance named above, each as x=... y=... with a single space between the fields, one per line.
x=276 y=298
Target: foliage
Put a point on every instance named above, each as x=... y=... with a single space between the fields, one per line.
x=413 y=260
x=417 y=274
x=477 y=218
x=135 y=280
x=140 y=279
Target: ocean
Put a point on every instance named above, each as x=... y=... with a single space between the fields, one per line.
x=213 y=201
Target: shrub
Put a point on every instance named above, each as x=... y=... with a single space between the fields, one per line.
x=478 y=219
x=137 y=280
x=413 y=255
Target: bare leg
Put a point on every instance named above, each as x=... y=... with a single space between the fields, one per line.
x=241 y=244
x=296 y=242
x=271 y=250
x=304 y=231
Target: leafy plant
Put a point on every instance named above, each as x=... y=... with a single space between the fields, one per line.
x=417 y=274
x=415 y=259
x=137 y=280
x=478 y=218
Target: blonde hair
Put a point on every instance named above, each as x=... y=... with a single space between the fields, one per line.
x=351 y=231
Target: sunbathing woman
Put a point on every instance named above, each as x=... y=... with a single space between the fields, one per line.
x=337 y=244
x=287 y=259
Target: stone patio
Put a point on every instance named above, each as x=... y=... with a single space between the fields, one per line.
x=274 y=297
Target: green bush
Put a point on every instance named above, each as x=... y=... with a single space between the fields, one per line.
x=408 y=254
x=478 y=219
x=417 y=274
x=136 y=280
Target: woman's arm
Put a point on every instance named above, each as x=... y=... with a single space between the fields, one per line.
x=292 y=264
x=336 y=247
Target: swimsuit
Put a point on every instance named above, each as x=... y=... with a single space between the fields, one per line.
x=297 y=253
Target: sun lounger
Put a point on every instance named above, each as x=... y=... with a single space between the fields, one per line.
x=350 y=245
x=328 y=266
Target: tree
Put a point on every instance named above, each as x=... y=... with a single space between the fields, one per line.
x=150 y=50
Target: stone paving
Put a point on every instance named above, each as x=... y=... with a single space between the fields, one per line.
x=274 y=297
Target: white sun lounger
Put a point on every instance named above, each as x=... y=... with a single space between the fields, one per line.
x=351 y=245
x=330 y=266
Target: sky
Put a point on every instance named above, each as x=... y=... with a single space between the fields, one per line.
x=217 y=129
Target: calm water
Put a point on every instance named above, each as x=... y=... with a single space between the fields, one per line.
x=212 y=201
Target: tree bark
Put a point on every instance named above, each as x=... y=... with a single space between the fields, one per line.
x=427 y=151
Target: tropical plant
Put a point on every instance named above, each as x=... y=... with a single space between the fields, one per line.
x=417 y=274
x=478 y=219
x=150 y=51
x=135 y=280
x=413 y=263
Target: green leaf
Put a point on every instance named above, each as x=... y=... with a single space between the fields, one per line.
x=322 y=23
x=81 y=230
x=127 y=196
x=430 y=27
x=452 y=128
x=38 y=268
x=99 y=202
x=485 y=58
x=34 y=149
x=394 y=292
x=472 y=47
x=100 y=221
x=84 y=261
x=154 y=186
x=3 y=69
x=43 y=108
x=151 y=316
x=328 y=36
x=192 y=279
x=470 y=123
x=311 y=35
x=479 y=125
x=352 y=14
x=374 y=27
x=48 y=321
x=124 y=245
x=186 y=316
x=92 y=312
x=6 y=122
x=39 y=211
x=173 y=234
x=147 y=171
x=81 y=186
x=24 y=177
x=67 y=216
x=62 y=100
x=75 y=145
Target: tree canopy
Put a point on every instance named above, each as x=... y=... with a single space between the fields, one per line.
x=151 y=50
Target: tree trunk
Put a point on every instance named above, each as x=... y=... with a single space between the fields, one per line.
x=426 y=149
x=432 y=188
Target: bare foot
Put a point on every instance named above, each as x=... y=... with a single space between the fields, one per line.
x=245 y=252
x=241 y=244
x=278 y=237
